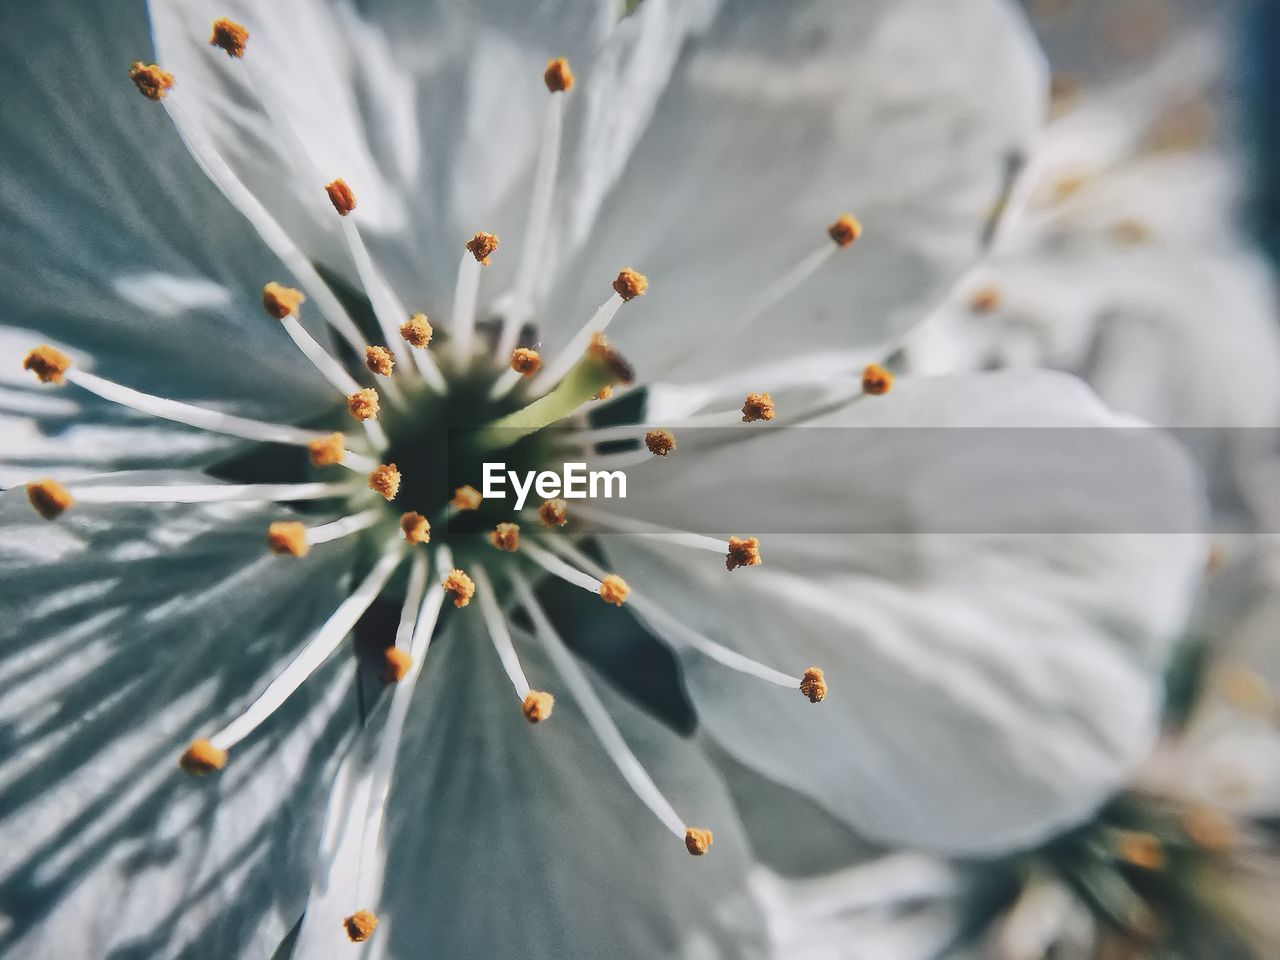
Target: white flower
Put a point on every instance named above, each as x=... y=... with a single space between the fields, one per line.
x=985 y=688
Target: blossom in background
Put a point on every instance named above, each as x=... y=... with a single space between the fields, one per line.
x=448 y=196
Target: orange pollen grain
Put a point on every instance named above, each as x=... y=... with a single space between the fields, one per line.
x=660 y=442
x=1140 y=850
x=758 y=406
x=49 y=498
x=814 y=684
x=526 y=362
x=359 y=926
x=845 y=230
x=554 y=513
x=459 y=586
x=537 y=706
x=482 y=246
x=630 y=284
x=327 y=451
x=696 y=841
x=363 y=404
x=385 y=481
x=280 y=301
x=985 y=299
x=288 y=537
x=506 y=536
x=558 y=77
x=341 y=196
x=416 y=330
x=395 y=664
x=202 y=757
x=743 y=552
x=47 y=364
x=379 y=361
x=152 y=82
x=876 y=380
x=416 y=527
x=230 y=36
x=613 y=589
x=466 y=498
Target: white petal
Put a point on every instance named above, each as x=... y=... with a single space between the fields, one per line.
x=125 y=632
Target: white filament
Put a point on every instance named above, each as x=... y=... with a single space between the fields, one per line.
x=329 y=368
x=466 y=292
x=505 y=383
x=636 y=431
x=496 y=624
x=557 y=567
x=552 y=372
x=651 y=531
x=212 y=493
x=780 y=288
x=337 y=529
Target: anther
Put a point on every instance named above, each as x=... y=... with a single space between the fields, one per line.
x=506 y=536
x=876 y=380
x=49 y=498
x=340 y=195
x=660 y=442
x=363 y=404
x=379 y=361
x=230 y=36
x=743 y=552
x=526 y=362
x=385 y=480
x=696 y=841
x=288 y=537
x=395 y=664
x=604 y=394
x=482 y=246
x=554 y=513
x=327 y=451
x=416 y=527
x=280 y=301
x=1209 y=830
x=630 y=284
x=814 y=685
x=1130 y=233
x=613 y=589
x=986 y=299
x=202 y=757
x=466 y=498
x=359 y=926
x=1140 y=850
x=416 y=330
x=558 y=76
x=600 y=349
x=459 y=586
x=537 y=706
x=845 y=230
x=758 y=406
x=47 y=363
x=152 y=82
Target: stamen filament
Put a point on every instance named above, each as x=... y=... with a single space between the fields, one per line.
x=337 y=529
x=496 y=624
x=565 y=359
x=465 y=295
x=636 y=431
x=334 y=372
x=557 y=567
x=779 y=289
x=650 y=531
x=214 y=493
x=315 y=652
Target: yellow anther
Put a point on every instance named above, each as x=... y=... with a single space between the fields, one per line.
x=660 y=442
x=385 y=481
x=280 y=301
x=538 y=706
x=600 y=348
x=1139 y=849
x=1247 y=690
x=482 y=246
x=466 y=498
x=459 y=586
x=395 y=664
x=359 y=926
x=1209 y=830
x=613 y=589
x=758 y=406
x=604 y=394
x=49 y=498
x=152 y=82
x=558 y=76
x=743 y=552
x=364 y=405
x=554 y=513
x=416 y=330
x=629 y=284
x=327 y=451
x=525 y=361
x=416 y=527
x=845 y=230
x=1130 y=233
x=814 y=685
x=288 y=537
x=1068 y=186
x=202 y=757
x=506 y=536
x=341 y=196
x=876 y=380
x=47 y=364
x=696 y=841
x=985 y=299
x=230 y=36
x=379 y=361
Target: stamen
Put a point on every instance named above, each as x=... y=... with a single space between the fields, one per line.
x=47 y=364
x=314 y=653
x=385 y=480
x=379 y=361
x=1139 y=849
x=758 y=406
x=554 y=513
x=845 y=230
x=604 y=394
x=526 y=362
x=152 y=82
x=506 y=536
x=213 y=493
x=466 y=292
x=630 y=284
x=597 y=716
x=466 y=498
x=364 y=404
x=578 y=343
x=416 y=528
x=230 y=36
x=482 y=246
x=328 y=450
x=459 y=586
x=557 y=567
x=280 y=301
x=288 y=537
x=202 y=757
x=985 y=299
x=396 y=664
x=344 y=527
x=359 y=926
x=745 y=549
x=613 y=589
x=496 y=625
x=876 y=380
x=1209 y=830
x=696 y=841
x=49 y=498
x=743 y=552
x=341 y=196
x=417 y=331
x=538 y=706
x=558 y=77
x=814 y=685
x=660 y=442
